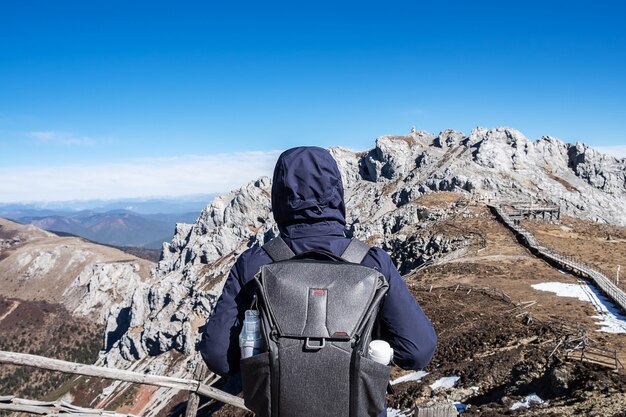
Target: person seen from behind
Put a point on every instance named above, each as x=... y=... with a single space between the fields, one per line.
x=308 y=206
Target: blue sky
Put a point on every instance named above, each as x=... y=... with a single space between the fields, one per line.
x=109 y=85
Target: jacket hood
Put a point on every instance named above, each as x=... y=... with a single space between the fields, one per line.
x=307 y=188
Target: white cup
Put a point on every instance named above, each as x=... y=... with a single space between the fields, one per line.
x=380 y=351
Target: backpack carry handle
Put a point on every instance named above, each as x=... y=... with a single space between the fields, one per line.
x=319 y=255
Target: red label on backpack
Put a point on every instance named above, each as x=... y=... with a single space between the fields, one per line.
x=318 y=292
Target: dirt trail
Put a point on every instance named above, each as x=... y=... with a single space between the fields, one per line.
x=139 y=401
x=11 y=309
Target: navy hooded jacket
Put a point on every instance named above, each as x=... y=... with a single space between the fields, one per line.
x=308 y=206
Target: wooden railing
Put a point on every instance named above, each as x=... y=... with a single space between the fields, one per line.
x=53 y=408
x=24 y=359
x=599 y=356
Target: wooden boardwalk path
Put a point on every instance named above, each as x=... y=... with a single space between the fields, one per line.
x=616 y=294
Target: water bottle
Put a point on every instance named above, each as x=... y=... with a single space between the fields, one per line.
x=380 y=351
x=250 y=340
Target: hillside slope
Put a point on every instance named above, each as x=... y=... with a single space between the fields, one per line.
x=46 y=329
x=56 y=294
x=85 y=277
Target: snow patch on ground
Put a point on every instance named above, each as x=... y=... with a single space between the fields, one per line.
x=445 y=382
x=526 y=402
x=413 y=376
x=609 y=318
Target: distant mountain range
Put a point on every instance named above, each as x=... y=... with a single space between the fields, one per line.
x=115 y=227
x=184 y=204
x=144 y=223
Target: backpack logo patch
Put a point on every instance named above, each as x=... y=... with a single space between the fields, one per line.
x=318 y=292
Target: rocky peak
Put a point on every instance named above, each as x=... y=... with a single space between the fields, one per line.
x=448 y=138
x=501 y=148
x=393 y=156
x=599 y=170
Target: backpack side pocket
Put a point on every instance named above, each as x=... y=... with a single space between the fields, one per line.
x=255 y=379
x=372 y=380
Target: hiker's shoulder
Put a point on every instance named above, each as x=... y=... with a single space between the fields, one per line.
x=252 y=258
x=253 y=251
x=377 y=257
x=378 y=253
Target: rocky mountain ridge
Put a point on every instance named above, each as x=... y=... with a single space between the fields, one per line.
x=382 y=188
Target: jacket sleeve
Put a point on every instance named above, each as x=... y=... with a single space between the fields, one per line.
x=219 y=344
x=403 y=323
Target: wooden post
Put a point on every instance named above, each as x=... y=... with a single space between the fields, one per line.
x=199 y=374
x=436 y=410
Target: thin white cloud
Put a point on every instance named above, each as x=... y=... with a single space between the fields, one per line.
x=48 y=135
x=63 y=138
x=618 y=151
x=147 y=177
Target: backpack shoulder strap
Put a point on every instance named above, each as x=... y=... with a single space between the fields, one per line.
x=278 y=250
x=356 y=251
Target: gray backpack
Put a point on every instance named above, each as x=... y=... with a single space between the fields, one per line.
x=317 y=314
